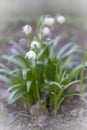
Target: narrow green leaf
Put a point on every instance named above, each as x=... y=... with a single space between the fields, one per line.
x=51 y=83
x=76 y=70
x=64 y=48
x=11 y=88
x=14 y=61
x=24 y=73
x=28 y=85
x=9 y=72
x=74 y=73
x=24 y=61
x=14 y=51
x=2 y=65
x=22 y=50
x=16 y=95
x=71 y=83
x=73 y=94
x=56 y=41
x=6 y=71
x=5 y=79
x=71 y=51
x=41 y=52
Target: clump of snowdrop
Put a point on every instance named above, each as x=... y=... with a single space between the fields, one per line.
x=35 y=45
x=42 y=71
x=27 y=29
x=31 y=55
x=60 y=19
x=46 y=31
x=49 y=21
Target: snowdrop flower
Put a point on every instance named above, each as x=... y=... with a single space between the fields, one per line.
x=27 y=29
x=49 y=21
x=30 y=55
x=35 y=44
x=46 y=31
x=60 y=19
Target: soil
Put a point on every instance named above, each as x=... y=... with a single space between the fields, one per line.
x=72 y=114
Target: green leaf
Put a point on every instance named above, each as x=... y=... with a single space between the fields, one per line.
x=20 y=58
x=73 y=94
x=41 y=52
x=63 y=75
x=14 y=61
x=74 y=49
x=17 y=94
x=22 y=50
x=13 y=87
x=2 y=65
x=5 y=79
x=74 y=73
x=14 y=51
x=24 y=61
x=53 y=45
x=63 y=49
x=76 y=70
x=56 y=42
x=51 y=83
x=24 y=73
x=71 y=83
x=6 y=71
x=40 y=63
x=28 y=85
x=9 y=72
x=16 y=71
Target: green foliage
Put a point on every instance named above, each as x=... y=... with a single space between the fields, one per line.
x=49 y=76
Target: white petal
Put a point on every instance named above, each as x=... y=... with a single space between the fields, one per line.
x=30 y=55
x=27 y=29
x=46 y=31
x=35 y=44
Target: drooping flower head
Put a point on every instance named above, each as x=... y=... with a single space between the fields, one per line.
x=60 y=19
x=31 y=55
x=27 y=29
x=49 y=21
x=46 y=31
x=35 y=45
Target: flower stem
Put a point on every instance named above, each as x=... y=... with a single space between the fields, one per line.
x=28 y=39
x=36 y=83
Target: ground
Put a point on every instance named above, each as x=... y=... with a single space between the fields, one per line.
x=72 y=114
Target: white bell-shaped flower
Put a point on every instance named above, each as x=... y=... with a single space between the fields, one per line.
x=49 y=21
x=27 y=29
x=31 y=55
x=46 y=31
x=60 y=19
x=35 y=45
